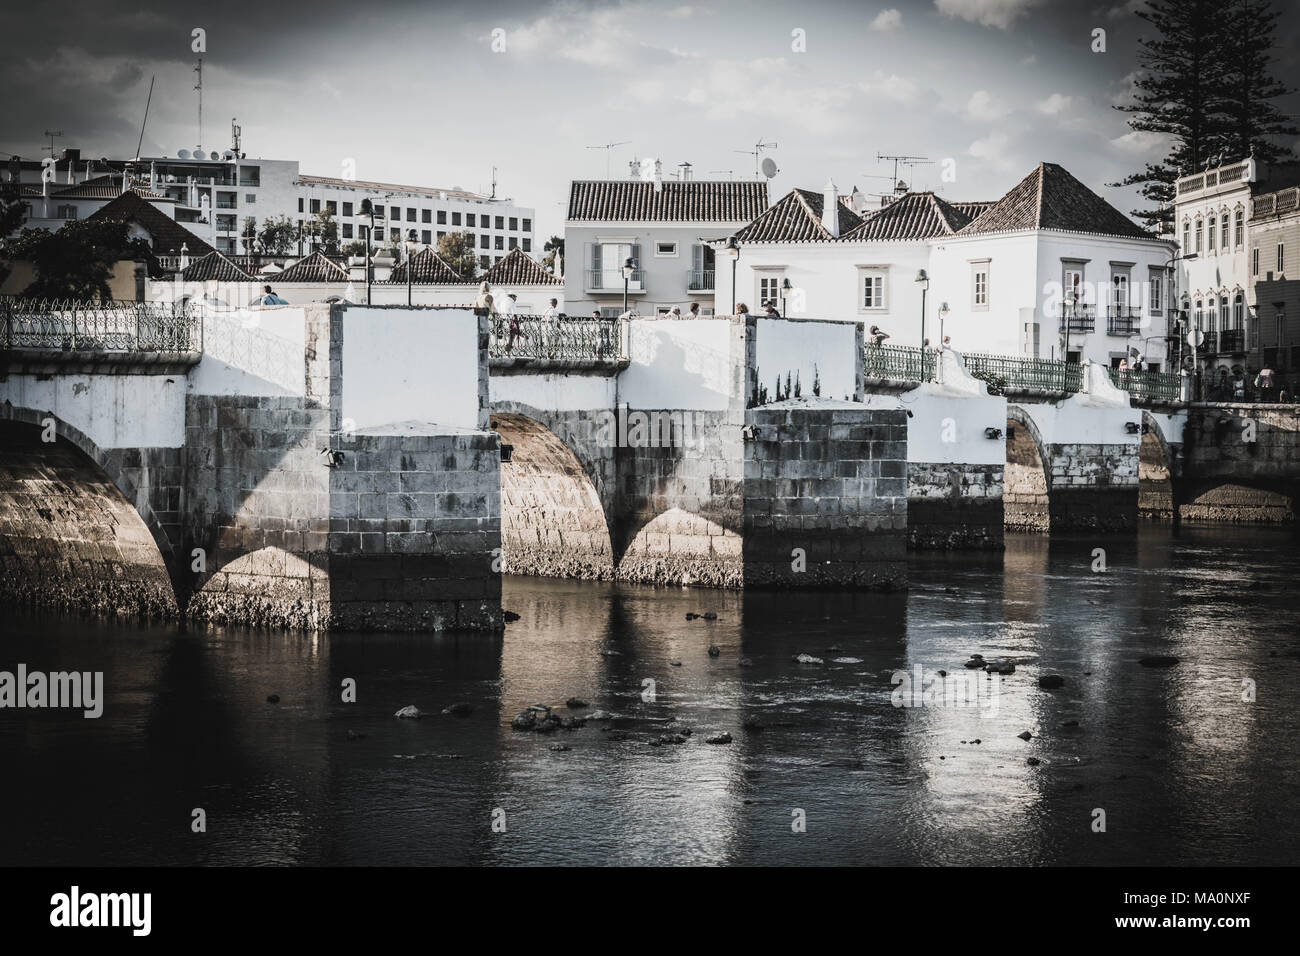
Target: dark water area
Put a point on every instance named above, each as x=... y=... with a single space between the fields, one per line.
x=1186 y=770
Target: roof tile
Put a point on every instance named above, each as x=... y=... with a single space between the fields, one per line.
x=693 y=201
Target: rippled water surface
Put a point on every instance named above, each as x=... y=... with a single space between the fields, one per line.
x=1185 y=769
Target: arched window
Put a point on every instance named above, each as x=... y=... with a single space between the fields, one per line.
x=1223 y=231
x=1199 y=317
x=1187 y=236
x=1223 y=313
x=1238 y=310
x=1240 y=228
x=1211 y=232
x=1200 y=231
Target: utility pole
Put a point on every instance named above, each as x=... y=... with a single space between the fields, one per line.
x=757 y=153
x=199 y=86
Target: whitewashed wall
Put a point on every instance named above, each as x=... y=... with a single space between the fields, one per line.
x=810 y=350
x=252 y=352
x=684 y=364
x=419 y=366
x=555 y=392
x=113 y=411
x=949 y=429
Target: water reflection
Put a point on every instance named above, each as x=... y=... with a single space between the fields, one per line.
x=1186 y=770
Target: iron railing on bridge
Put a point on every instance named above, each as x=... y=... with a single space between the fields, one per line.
x=1146 y=385
x=114 y=325
x=568 y=339
x=1020 y=373
x=900 y=363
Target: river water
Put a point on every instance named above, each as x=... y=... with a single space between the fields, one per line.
x=1180 y=764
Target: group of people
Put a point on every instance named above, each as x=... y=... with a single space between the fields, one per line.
x=1267 y=386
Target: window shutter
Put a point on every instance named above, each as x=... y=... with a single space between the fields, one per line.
x=697 y=257
x=593 y=256
x=636 y=255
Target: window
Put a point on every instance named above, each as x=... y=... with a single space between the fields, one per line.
x=250 y=197
x=484 y=261
x=347 y=209
x=979 y=285
x=1279 y=325
x=455 y=219
x=1281 y=250
x=300 y=204
x=1198 y=319
x=425 y=236
x=501 y=222
x=469 y=219
x=1119 y=293
x=66 y=212
x=664 y=249
x=513 y=243
x=1211 y=246
x=500 y=242
x=331 y=207
x=1223 y=234
x=485 y=242
x=315 y=206
x=1238 y=310
x=442 y=217
x=1199 y=230
x=528 y=244
x=1223 y=313
x=1254 y=261
x=514 y=224
x=410 y=213
x=395 y=213
x=1155 y=291
x=769 y=289
x=874 y=288
x=1239 y=228
x=441 y=233
x=250 y=175
x=426 y=215
x=347 y=230
x=528 y=225
x=1187 y=236
x=379 y=233
x=469 y=240
x=1072 y=287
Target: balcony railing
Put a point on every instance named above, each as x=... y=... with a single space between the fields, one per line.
x=1231 y=340
x=1123 y=320
x=565 y=340
x=69 y=326
x=1013 y=373
x=699 y=280
x=1078 y=318
x=611 y=280
x=1148 y=386
x=898 y=363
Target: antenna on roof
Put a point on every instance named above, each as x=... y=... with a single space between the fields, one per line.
x=607 y=147
x=756 y=152
x=235 y=132
x=905 y=161
x=731 y=173
x=146 y=116
x=51 y=133
x=494 y=183
x=199 y=86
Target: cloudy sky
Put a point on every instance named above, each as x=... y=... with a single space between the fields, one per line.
x=438 y=93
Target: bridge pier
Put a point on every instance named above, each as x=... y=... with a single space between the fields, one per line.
x=1241 y=463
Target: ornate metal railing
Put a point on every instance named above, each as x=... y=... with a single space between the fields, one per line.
x=699 y=280
x=898 y=363
x=1017 y=373
x=1123 y=320
x=611 y=280
x=1080 y=318
x=107 y=326
x=1151 y=386
x=556 y=340
x=1231 y=340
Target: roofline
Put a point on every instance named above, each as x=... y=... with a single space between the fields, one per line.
x=397 y=187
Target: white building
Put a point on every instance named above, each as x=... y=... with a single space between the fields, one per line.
x=1050 y=269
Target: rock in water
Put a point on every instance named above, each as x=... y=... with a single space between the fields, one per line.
x=573 y=703
x=1051 y=681
x=273 y=698
x=1024 y=735
x=509 y=616
x=710 y=615
x=525 y=721
x=1000 y=667
x=1158 y=661
x=410 y=711
x=722 y=738
x=1033 y=761
x=691 y=615
x=459 y=709
x=714 y=650
x=807 y=659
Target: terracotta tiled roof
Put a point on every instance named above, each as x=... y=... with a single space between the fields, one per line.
x=316 y=267
x=427 y=267
x=693 y=201
x=1050 y=198
x=214 y=266
x=911 y=216
x=166 y=235
x=107 y=187
x=972 y=210
x=519 y=268
x=797 y=217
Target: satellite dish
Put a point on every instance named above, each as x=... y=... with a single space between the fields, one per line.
x=214 y=155
x=768 y=167
x=183 y=154
x=228 y=154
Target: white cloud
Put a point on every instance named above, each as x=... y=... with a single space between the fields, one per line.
x=1055 y=104
x=983 y=107
x=1127 y=8
x=993 y=150
x=1140 y=143
x=769 y=88
x=887 y=21
x=989 y=13
x=895 y=88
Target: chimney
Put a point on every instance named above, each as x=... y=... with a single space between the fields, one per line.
x=634 y=168
x=830 y=208
x=659 y=176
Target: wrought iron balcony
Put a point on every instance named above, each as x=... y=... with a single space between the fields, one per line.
x=1231 y=340
x=1123 y=320
x=699 y=280
x=611 y=280
x=1078 y=318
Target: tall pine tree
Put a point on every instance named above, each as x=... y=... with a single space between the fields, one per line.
x=1250 y=117
x=1178 y=94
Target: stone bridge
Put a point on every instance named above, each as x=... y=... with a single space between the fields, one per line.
x=355 y=467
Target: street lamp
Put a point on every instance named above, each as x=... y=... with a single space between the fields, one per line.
x=368 y=210
x=628 y=269
x=411 y=242
x=943 y=314
x=733 y=250
x=1173 y=298
x=786 y=286
x=923 y=281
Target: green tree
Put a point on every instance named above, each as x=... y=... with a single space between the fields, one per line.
x=77 y=261
x=12 y=214
x=1251 y=117
x=326 y=231
x=551 y=247
x=458 y=251
x=279 y=235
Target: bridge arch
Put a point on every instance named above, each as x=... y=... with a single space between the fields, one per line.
x=1027 y=479
x=1156 y=472
x=553 y=519
x=88 y=539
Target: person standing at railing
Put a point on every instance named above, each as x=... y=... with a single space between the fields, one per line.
x=552 y=313
x=876 y=336
x=694 y=311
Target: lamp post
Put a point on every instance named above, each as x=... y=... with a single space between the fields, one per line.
x=628 y=269
x=733 y=250
x=1173 y=298
x=411 y=242
x=368 y=210
x=923 y=281
x=786 y=286
x=1071 y=301
x=943 y=315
